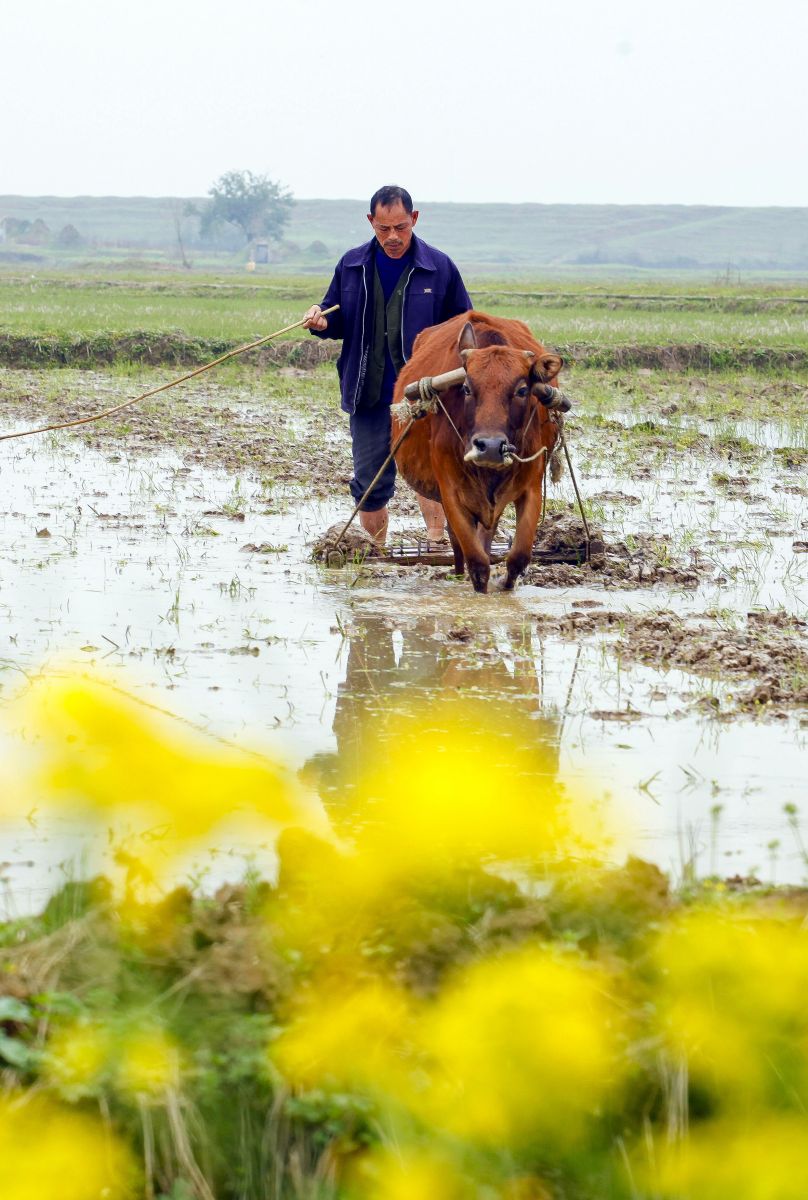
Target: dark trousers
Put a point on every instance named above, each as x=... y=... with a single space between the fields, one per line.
x=370 y=443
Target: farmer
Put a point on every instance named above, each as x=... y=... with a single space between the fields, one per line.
x=388 y=290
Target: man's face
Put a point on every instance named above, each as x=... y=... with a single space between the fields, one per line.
x=393 y=228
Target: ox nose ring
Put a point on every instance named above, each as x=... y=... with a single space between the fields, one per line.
x=490 y=447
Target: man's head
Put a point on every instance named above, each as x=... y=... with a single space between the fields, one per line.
x=393 y=218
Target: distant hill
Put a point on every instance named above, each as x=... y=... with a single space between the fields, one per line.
x=504 y=238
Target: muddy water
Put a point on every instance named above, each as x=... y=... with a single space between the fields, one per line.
x=135 y=569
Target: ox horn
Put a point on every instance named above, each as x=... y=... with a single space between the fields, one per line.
x=439 y=383
x=551 y=397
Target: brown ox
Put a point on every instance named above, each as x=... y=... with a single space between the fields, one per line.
x=496 y=412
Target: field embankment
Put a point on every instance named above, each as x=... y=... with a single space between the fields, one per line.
x=89 y=321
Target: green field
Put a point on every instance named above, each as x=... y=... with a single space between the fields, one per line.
x=579 y=322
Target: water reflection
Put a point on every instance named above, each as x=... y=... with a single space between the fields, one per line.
x=392 y=670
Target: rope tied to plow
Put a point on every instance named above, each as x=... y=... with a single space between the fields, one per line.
x=108 y=412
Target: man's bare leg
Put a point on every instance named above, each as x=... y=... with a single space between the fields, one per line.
x=434 y=519
x=375 y=523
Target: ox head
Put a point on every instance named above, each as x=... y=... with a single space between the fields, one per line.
x=499 y=389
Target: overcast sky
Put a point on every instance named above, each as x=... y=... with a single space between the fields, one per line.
x=580 y=101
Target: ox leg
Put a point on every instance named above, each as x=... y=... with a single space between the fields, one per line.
x=457 y=549
x=486 y=536
x=463 y=530
x=528 y=507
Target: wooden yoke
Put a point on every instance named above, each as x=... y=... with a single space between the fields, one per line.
x=440 y=383
x=550 y=396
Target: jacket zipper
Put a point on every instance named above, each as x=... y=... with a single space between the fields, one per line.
x=403 y=298
x=363 y=360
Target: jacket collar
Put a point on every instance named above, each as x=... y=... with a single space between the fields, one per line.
x=422 y=256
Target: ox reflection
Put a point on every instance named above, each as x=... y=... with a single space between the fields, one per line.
x=395 y=670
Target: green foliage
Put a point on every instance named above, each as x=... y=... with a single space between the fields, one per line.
x=256 y=204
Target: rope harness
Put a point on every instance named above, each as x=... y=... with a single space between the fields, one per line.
x=427 y=400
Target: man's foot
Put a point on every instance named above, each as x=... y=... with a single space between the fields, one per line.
x=434 y=519
x=375 y=523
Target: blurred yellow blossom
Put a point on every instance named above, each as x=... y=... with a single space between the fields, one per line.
x=413 y=1175
x=349 y=1035
x=448 y=797
x=739 y=1160
x=148 y=1063
x=418 y=1173
x=78 y=1054
x=732 y=999
x=50 y=1153
x=523 y=1046
x=101 y=750
x=517 y=1047
x=450 y=789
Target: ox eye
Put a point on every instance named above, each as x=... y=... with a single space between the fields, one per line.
x=466 y=390
x=521 y=392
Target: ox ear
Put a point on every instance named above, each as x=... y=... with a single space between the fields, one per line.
x=547 y=367
x=467 y=341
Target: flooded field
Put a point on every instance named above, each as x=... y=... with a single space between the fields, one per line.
x=169 y=555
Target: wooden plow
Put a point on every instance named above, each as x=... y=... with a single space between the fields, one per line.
x=429 y=554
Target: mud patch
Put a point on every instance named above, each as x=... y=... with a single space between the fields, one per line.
x=769 y=653
x=645 y=561
x=338 y=545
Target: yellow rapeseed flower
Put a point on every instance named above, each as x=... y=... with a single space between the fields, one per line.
x=412 y=1175
x=731 y=998
x=522 y=1046
x=738 y=1160
x=78 y=1055
x=449 y=790
x=48 y=1152
x=148 y=1063
x=102 y=750
x=448 y=796
x=349 y=1037
x=518 y=1047
x=416 y=1173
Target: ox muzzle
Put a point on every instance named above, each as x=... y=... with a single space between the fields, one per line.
x=492 y=452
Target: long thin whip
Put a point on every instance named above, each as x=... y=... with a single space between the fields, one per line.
x=108 y=412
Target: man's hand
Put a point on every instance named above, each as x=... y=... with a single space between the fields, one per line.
x=314 y=319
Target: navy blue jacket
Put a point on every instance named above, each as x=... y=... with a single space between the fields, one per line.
x=433 y=292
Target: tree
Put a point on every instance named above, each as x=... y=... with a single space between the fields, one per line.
x=69 y=236
x=37 y=234
x=256 y=204
x=15 y=227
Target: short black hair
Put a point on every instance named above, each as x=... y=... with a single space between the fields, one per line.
x=388 y=195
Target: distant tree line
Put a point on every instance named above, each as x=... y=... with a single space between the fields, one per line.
x=38 y=233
